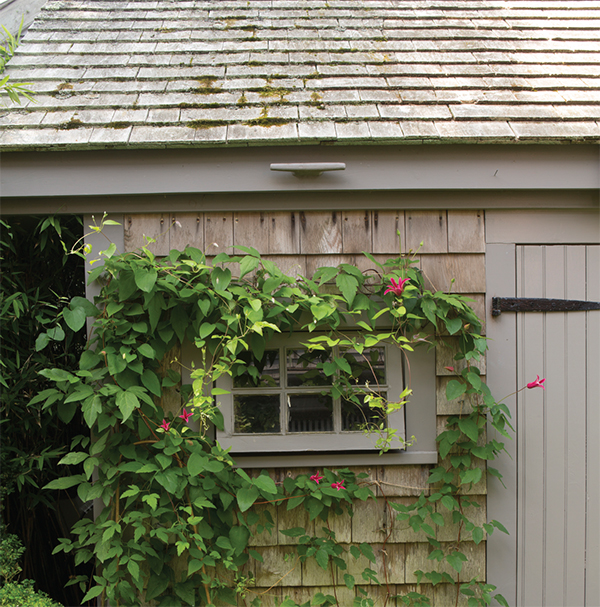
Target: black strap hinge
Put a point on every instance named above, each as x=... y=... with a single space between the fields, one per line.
x=540 y=304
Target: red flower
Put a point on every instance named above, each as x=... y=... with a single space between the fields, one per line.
x=185 y=415
x=537 y=383
x=338 y=486
x=396 y=287
x=316 y=478
x=165 y=425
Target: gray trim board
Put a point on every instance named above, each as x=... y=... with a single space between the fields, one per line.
x=377 y=168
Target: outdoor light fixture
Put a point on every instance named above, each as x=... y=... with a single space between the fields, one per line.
x=308 y=169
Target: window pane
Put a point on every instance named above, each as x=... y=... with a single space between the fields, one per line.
x=368 y=367
x=302 y=367
x=310 y=413
x=257 y=373
x=256 y=413
x=360 y=415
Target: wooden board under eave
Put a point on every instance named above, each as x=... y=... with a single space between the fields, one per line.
x=428 y=228
x=218 y=233
x=357 y=231
x=321 y=232
x=187 y=229
x=466 y=232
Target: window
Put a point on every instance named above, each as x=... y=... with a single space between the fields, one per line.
x=283 y=406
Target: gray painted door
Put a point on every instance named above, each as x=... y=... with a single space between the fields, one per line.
x=558 y=434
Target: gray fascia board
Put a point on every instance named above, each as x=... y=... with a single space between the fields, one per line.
x=441 y=167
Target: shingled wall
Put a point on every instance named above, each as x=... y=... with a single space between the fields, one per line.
x=453 y=248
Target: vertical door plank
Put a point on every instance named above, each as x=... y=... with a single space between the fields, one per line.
x=284 y=233
x=218 y=233
x=556 y=420
x=575 y=431
x=530 y=438
x=320 y=232
x=386 y=225
x=251 y=230
x=152 y=225
x=592 y=578
x=356 y=232
x=466 y=232
x=428 y=227
x=187 y=229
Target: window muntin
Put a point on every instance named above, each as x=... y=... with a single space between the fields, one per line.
x=284 y=401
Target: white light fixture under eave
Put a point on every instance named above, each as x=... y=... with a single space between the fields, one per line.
x=308 y=169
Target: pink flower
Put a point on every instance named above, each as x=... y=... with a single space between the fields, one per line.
x=449 y=368
x=165 y=425
x=396 y=287
x=316 y=478
x=185 y=416
x=537 y=383
x=338 y=486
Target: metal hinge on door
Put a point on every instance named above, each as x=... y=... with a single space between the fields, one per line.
x=540 y=304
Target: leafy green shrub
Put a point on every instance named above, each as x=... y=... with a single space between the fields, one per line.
x=23 y=594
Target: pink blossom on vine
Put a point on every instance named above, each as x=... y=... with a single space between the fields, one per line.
x=449 y=368
x=185 y=416
x=165 y=425
x=316 y=478
x=338 y=486
x=537 y=383
x=396 y=287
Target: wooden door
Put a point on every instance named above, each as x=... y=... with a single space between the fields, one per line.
x=554 y=478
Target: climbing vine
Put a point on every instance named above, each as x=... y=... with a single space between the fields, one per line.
x=179 y=517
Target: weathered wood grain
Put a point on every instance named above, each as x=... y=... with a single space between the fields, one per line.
x=474 y=567
x=466 y=232
x=369 y=523
x=444 y=357
x=386 y=225
x=218 y=233
x=284 y=233
x=402 y=532
x=459 y=273
x=402 y=481
x=186 y=229
x=357 y=231
x=449 y=531
x=151 y=225
x=265 y=538
x=452 y=407
x=428 y=227
x=280 y=565
x=292 y=265
x=320 y=232
x=251 y=229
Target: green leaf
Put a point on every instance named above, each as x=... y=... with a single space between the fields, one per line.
x=157 y=584
x=265 y=483
x=470 y=476
x=127 y=402
x=322 y=558
x=73 y=458
x=66 y=411
x=145 y=278
x=367 y=551
x=179 y=321
x=65 y=482
x=477 y=534
x=455 y=560
x=348 y=285
x=246 y=496
x=247 y=265
x=454 y=389
x=92 y=593
x=151 y=382
x=469 y=427
x=75 y=319
x=196 y=464
x=43 y=339
x=293 y=532
x=238 y=536
x=349 y=580
x=88 y=307
x=146 y=350
x=169 y=480
x=453 y=325
x=220 y=278
x=500 y=526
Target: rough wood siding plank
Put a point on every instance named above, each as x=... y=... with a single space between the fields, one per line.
x=467 y=270
x=152 y=225
x=251 y=230
x=356 y=231
x=342 y=527
x=314 y=262
x=288 y=519
x=284 y=233
x=592 y=579
x=449 y=532
x=275 y=566
x=575 y=423
x=270 y=597
x=320 y=232
x=386 y=225
x=452 y=407
x=218 y=233
x=428 y=227
x=466 y=233
x=530 y=329
x=445 y=595
x=302 y=595
x=474 y=567
x=444 y=357
x=357 y=566
x=291 y=265
x=190 y=233
x=369 y=523
x=265 y=538
x=402 y=532
x=402 y=481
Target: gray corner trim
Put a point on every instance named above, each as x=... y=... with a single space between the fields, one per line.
x=376 y=168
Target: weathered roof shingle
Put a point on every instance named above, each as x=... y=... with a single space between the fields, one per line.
x=117 y=73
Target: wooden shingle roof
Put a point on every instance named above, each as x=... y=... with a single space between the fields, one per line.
x=174 y=73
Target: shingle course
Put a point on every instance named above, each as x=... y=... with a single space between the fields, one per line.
x=210 y=72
